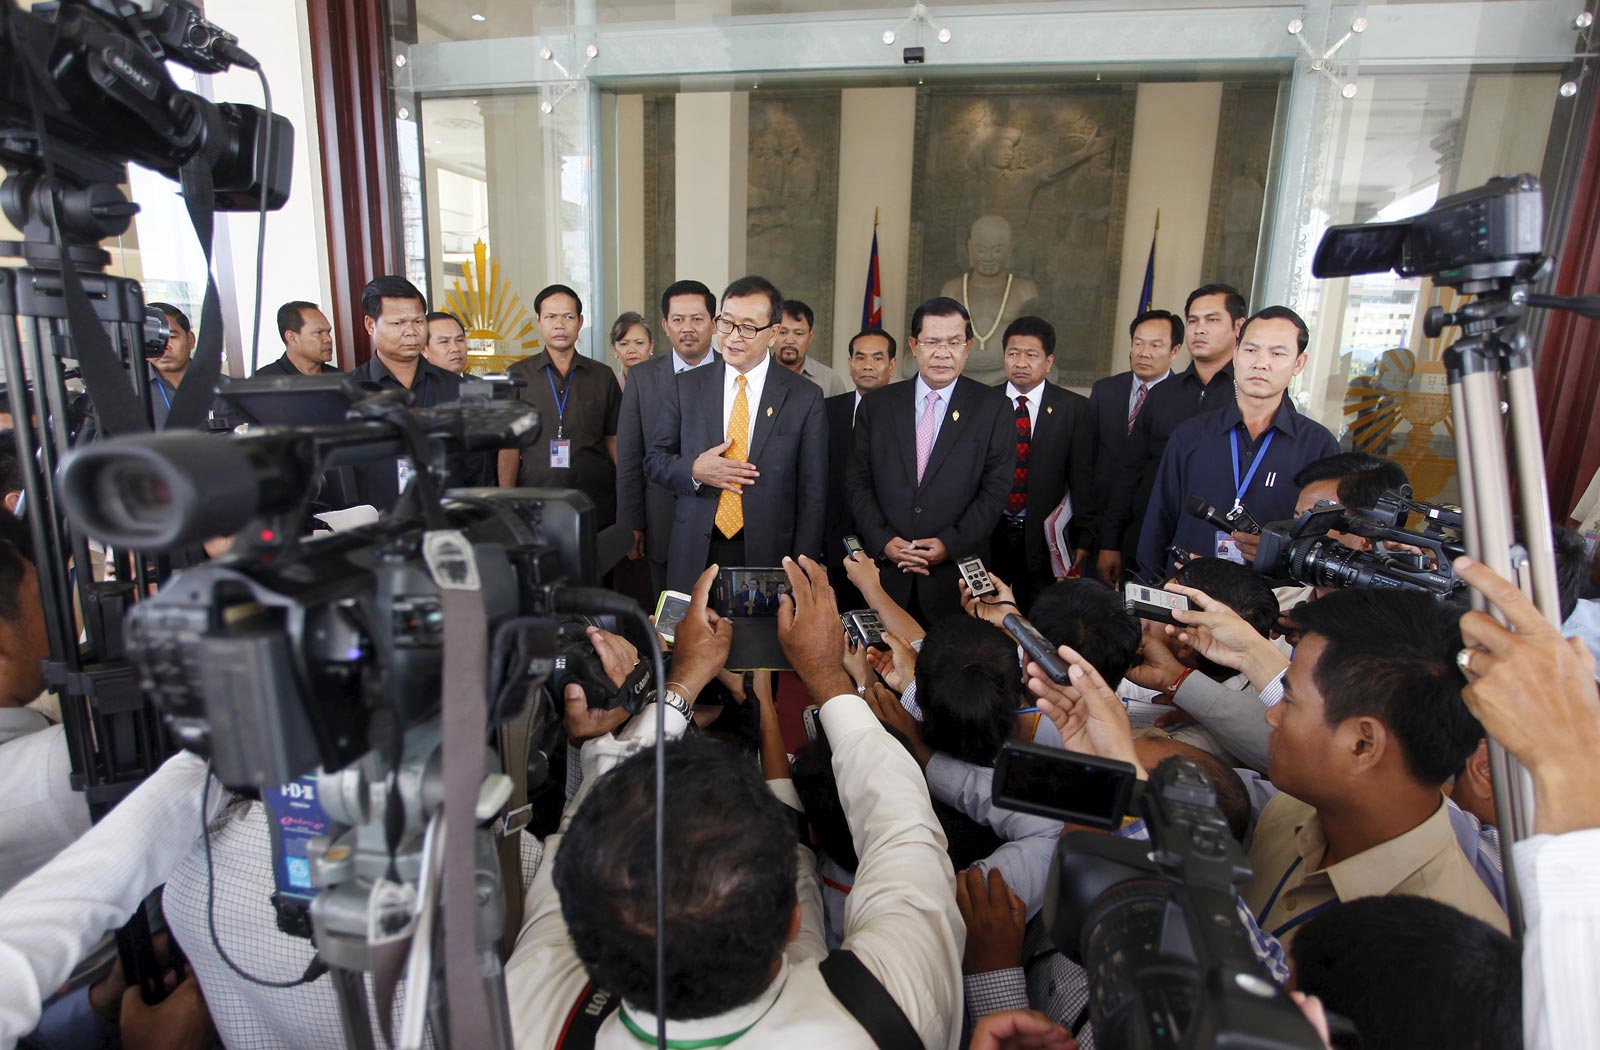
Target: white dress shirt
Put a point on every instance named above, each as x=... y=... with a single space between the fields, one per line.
x=755 y=381
x=1561 y=942
x=901 y=918
x=49 y=921
x=1034 y=396
x=40 y=814
x=940 y=407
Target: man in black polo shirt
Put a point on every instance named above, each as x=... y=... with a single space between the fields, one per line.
x=578 y=400
x=396 y=323
x=1214 y=315
x=307 y=342
x=1247 y=452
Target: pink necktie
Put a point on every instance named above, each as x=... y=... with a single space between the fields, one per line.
x=925 y=434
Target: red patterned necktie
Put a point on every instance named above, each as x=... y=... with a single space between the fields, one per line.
x=1138 y=403
x=1017 y=502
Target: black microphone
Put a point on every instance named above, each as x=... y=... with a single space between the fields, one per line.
x=1236 y=520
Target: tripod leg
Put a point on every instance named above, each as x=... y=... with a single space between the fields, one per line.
x=1532 y=489
x=350 y=986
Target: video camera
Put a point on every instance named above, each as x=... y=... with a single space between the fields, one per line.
x=1155 y=924
x=287 y=655
x=96 y=74
x=1303 y=550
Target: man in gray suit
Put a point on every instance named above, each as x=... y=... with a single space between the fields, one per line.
x=688 y=310
x=744 y=445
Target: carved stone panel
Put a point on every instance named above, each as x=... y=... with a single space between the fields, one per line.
x=1022 y=192
x=793 y=214
x=1239 y=184
x=660 y=209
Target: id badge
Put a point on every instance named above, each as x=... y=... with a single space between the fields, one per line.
x=403 y=472
x=1228 y=548
x=560 y=455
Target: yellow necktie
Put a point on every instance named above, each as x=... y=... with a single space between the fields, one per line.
x=730 y=505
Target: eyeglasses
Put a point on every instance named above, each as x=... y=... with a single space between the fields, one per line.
x=953 y=343
x=748 y=330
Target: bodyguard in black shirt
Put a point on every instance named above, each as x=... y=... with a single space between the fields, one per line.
x=307 y=342
x=396 y=323
x=1215 y=316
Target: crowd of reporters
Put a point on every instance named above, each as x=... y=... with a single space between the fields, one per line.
x=867 y=887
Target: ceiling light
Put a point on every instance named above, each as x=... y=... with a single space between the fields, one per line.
x=888 y=36
x=1348 y=91
x=547 y=106
x=479 y=18
x=944 y=36
x=545 y=53
x=591 y=51
x=403 y=113
x=400 y=60
x=1567 y=89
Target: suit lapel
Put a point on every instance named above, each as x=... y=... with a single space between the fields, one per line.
x=950 y=431
x=773 y=392
x=907 y=424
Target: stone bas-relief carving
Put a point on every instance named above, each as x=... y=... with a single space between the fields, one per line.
x=792 y=214
x=1052 y=164
x=1239 y=183
x=993 y=294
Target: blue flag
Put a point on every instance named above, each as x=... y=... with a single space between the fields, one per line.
x=1147 y=292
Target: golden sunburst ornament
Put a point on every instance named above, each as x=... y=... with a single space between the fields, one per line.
x=489 y=308
x=1408 y=388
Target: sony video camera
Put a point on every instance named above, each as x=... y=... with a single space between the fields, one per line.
x=1155 y=924
x=1303 y=550
x=291 y=654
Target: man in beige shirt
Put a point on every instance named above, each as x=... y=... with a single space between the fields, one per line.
x=1370 y=726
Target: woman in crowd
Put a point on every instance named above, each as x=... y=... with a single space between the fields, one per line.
x=630 y=341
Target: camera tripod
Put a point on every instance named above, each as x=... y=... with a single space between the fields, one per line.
x=375 y=902
x=1483 y=366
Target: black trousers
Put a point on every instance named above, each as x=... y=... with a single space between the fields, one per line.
x=1009 y=557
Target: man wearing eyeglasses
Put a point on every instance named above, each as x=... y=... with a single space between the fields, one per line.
x=933 y=466
x=745 y=447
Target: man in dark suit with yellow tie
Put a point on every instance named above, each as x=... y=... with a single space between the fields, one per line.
x=745 y=447
x=933 y=466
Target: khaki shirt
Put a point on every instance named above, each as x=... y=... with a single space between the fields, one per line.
x=1290 y=884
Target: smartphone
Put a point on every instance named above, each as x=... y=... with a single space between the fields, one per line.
x=1039 y=650
x=1150 y=603
x=751 y=592
x=1063 y=785
x=864 y=627
x=670 y=611
x=852 y=546
x=811 y=718
x=977 y=577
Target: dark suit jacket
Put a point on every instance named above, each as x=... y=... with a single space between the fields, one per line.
x=783 y=509
x=1108 y=412
x=641 y=503
x=962 y=493
x=1058 y=462
x=840 y=411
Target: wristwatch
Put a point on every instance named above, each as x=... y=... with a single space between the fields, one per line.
x=678 y=702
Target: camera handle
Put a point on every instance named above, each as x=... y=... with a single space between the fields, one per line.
x=1481 y=368
x=366 y=923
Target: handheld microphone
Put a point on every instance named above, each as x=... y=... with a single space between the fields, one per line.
x=1236 y=520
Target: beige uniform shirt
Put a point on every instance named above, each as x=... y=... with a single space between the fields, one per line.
x=1290 y=884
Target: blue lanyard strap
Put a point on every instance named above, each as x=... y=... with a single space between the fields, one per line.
x=1241 y=487
x=1261 y=920
x=162 y=386
x=561 y=398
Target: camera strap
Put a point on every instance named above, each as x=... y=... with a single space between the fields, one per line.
x=464 y=714
x=196 y=395
x=869 y=1002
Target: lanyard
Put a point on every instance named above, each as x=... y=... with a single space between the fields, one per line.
x=161 y=386
x=1240 y=487
x=693 y=1044
x=560 y=399
x=1261 y=920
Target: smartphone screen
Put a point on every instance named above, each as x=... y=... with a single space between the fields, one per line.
x=670 y=611
x=852 y=545
x=1065 y=785
x=752 y=592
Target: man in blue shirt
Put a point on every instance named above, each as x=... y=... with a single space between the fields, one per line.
x=1245 y=453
